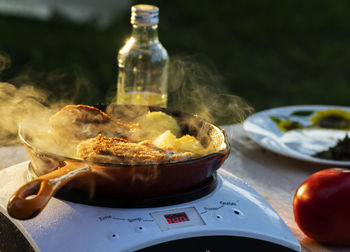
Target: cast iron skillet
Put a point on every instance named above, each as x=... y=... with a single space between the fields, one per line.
x=117 y=180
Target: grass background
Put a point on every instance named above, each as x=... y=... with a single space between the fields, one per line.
x=270 y=53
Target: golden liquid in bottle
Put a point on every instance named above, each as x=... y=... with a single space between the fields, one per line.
x=143 y=98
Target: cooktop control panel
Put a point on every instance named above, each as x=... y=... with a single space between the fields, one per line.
x=177 y=218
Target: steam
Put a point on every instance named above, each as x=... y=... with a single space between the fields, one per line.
x=25 y=105
x=62 y=85
x=23 y=101
x=192 y=88
x=5 y=61
x=196 y=89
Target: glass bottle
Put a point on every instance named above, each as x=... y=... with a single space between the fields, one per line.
x=143 y=61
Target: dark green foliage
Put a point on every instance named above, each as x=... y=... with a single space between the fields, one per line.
x=271 y=53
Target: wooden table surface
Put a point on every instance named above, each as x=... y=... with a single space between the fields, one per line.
x=273 y=176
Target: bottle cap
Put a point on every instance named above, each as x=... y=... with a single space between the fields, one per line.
x=144 y=14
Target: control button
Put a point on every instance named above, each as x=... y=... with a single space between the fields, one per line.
x=238 y=213
x=140 y=229
x=112 y=236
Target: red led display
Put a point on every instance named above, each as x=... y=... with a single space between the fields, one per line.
x=176 y=217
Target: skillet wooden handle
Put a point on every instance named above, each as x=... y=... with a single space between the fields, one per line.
x=30 y=199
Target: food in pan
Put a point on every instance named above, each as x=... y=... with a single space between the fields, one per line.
x=75 y=123
x=118 y=150
x=153 y=124
x=80 y=122
x=87 y=133
x=185 y=143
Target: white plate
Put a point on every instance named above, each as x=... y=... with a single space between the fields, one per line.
x=299 y=144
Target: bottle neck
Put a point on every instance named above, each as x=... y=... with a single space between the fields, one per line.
x=145 y=34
